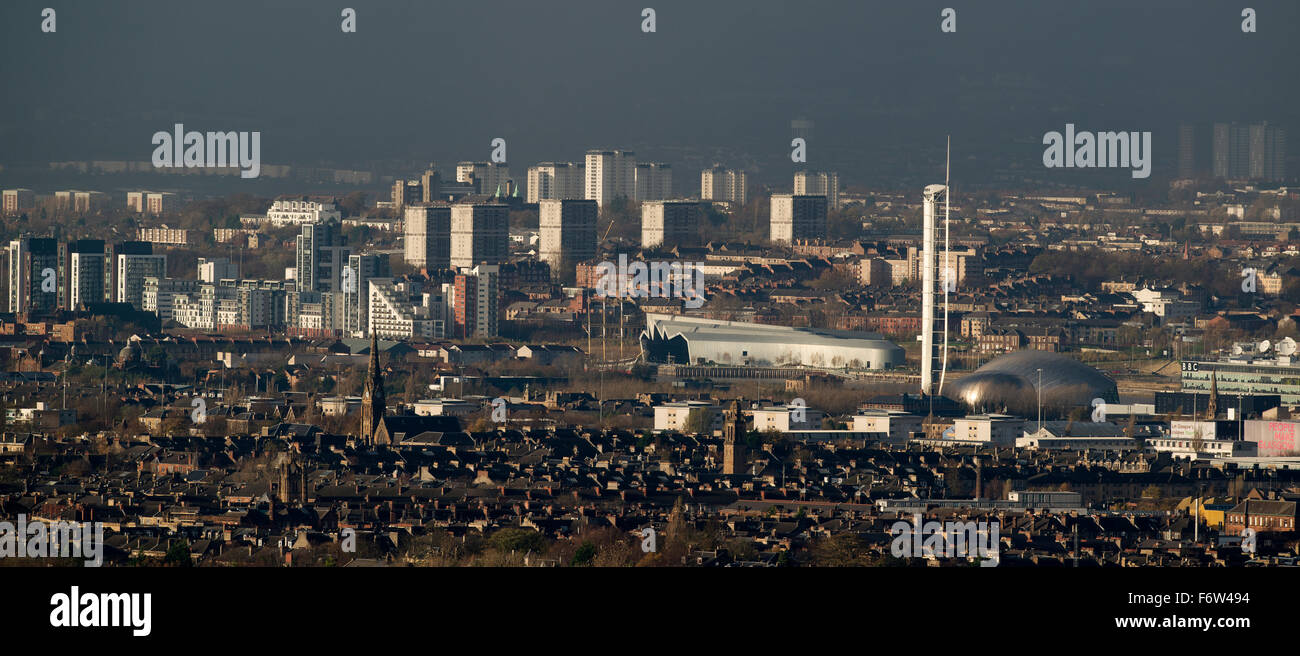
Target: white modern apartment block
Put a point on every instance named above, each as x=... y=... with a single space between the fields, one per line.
x=654 y=181
x=818 y=183
x=610 y=174
x=427 y=240
x=554 y=181
x=480 y=233
x=721 y=184
x=160 y=295
x=568 y=231
x=400 y=311
x=490 y=177
x=797 y=217
x=230 y=304
x=669 y=223
x=300 y=210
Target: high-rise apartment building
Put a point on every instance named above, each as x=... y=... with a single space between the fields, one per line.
x=33 y=281
x=654 y=181
x=819 y=183
x=719 y=184
x=427 y=236
x=668 y=223
x=480 y=234
x=132 y=262
x=86 y=274
x=1256 y=152
x=1231 y=151
x=321 y=256
x=568 y=231
x=795 y=216
x=1267 y=152
x=554 y=181
x=363 y=268
x=609 y=174
x=17 y=201
x=474 y=301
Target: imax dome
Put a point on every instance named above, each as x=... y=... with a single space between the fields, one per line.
x=1010 y=383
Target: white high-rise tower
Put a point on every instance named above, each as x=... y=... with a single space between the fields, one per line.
x=929 y=273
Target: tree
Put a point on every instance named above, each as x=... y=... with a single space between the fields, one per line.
x=584 y=556
x=519 y=540
x=699 y=420
x=178 y=555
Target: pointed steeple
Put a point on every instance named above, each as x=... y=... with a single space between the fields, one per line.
x=372 y=400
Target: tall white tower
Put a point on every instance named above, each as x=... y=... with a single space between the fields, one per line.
x=929 y=271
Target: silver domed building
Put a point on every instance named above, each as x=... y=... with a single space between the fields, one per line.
x=1010 y=383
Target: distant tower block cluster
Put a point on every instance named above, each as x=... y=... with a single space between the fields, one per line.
x=612 y=174
x=568 y=231
x=668 y=223
x=819 y=183
x=719 y=184
x=797 y=217
x=1256 y=152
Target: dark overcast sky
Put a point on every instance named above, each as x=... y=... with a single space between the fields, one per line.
x=438 y=80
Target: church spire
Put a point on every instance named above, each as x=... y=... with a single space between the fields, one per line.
x=372 y=400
